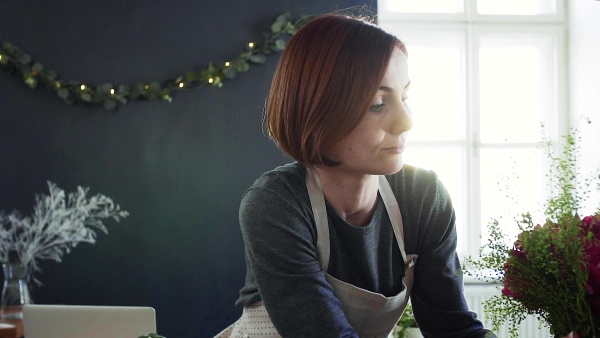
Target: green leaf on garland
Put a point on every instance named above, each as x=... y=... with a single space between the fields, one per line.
x=280 y=44
x=25 y=59
x=63 y=93
x=51 y=75
x=9 y=47
x=31 y=81
x=37 y=67
x=258 y=58
x=86 y=97
x=229 y=72
x=124 y=89
x=276 y=27
x=283 y=18
x=110 y=105
x=212 y=68
x=106 y=87
x=241 y=66
x=154 y=86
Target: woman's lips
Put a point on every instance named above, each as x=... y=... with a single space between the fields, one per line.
x=397 y=149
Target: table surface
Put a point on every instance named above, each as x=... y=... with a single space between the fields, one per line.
x=18 y=323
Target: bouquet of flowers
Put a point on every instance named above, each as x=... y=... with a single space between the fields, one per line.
x=59 y=222
x=552 y=270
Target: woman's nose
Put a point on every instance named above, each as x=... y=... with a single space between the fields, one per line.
x=401 y=119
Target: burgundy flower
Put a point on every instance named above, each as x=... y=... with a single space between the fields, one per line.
x=507 y=292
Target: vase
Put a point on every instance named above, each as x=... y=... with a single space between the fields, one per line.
x=15 y=292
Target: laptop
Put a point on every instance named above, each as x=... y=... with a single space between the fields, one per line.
x=84 y=321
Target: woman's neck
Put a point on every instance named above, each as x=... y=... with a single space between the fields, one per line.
x=352 y=195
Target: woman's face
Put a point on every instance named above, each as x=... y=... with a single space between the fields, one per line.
x=376 y=145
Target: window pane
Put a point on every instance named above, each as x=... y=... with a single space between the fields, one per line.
x=516 y=95
x=516 y=7
x=512 y=183
x=437 y=95
x=449 y=165
x=424 y=6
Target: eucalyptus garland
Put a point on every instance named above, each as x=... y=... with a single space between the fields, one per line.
x=14 y=60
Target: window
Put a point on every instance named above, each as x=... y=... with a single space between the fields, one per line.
x=485 y=74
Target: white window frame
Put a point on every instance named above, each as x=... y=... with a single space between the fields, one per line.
x=555 y=25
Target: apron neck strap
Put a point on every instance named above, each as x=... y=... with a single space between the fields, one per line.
x=317 y=202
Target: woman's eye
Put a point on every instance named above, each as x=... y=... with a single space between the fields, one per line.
x=377 y=107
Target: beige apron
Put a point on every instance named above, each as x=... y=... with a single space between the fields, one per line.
x=371 y=314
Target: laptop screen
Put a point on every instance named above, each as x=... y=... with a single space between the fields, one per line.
x=78 y=321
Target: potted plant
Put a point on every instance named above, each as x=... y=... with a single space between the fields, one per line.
x=59 y=222
x=407 y=325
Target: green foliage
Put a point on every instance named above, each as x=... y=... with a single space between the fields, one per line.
x=151 y=335
x=545 y=272
x=406 y=321
x=14 y=60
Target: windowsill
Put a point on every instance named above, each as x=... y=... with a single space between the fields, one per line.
x=485 y=277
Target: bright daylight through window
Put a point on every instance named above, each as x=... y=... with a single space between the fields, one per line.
x=485 y=74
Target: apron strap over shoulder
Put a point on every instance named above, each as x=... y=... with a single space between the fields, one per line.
x=317 y=201
x=393 y=209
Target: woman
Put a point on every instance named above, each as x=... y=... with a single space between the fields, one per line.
x=337 y=241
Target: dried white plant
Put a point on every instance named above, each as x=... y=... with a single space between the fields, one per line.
x=58 y=223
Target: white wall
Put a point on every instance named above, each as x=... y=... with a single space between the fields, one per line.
x=584 y=76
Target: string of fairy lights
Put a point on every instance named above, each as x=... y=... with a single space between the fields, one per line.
x=15 y=61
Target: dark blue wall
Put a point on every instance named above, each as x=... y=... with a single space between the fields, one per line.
x=179 y=168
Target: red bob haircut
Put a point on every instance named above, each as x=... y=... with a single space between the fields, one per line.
x=324 y=83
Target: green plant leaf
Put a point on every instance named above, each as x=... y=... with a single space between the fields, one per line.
x=51 y=75
x=37 y=67
x=106 y=87
x=276 y=27
x=241 y=66
x=31 y=82
x=124 y=89
x=86 y=97
x=229 y=72
x=258 y=58
x=63 y=93
x=280 y=44
x=25 y=59
x=110 y=105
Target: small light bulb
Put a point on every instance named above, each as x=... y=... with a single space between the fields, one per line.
x=0 y=56
x=210 y=80
x=112 y=92
x=146 y=87
x=227 y=64
x=251 y=45
x=57 y=84
x=180 y=84
x=82 y=87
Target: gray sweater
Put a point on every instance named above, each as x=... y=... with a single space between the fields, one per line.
x=283 y=268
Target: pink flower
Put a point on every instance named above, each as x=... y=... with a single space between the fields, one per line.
x=592 y=256
x=507 y=292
